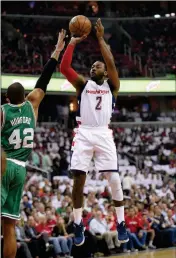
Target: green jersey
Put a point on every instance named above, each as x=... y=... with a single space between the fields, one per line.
x=18 y=130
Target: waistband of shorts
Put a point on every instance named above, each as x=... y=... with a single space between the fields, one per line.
x=18 y=162
x=94 y=127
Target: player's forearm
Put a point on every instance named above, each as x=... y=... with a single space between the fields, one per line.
x=65 y=66
x=46 y=74
x=106 y=52
x=48 y=70
x=67 y=58
x=56 y=54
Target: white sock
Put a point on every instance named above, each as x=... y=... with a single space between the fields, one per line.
x=120 y=214
x=77 y=215
x=150 y=243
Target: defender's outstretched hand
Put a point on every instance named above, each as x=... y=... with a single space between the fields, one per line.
x=99 y=29
x=76 y=40
x=61 y=43
x=36 y=96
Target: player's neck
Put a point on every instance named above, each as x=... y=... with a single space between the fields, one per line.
x=18 y=103
x=100 y=82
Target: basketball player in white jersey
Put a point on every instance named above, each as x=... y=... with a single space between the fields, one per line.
x=93 y=138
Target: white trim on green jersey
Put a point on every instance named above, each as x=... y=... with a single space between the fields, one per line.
x=19 y=105
x=3 y=122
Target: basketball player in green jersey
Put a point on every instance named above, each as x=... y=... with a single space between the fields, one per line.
x=18 y=123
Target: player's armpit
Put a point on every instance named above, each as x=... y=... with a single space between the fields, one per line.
x=113 y=89
x=79 y=83
x=75 y=79
x=35 y=97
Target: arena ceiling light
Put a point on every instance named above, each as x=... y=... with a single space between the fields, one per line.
x=172 y=14
x=167 y=15
x=157 y=16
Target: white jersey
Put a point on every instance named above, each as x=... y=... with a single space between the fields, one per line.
x=96 y=104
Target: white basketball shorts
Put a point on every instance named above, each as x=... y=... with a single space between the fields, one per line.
x=96 y=143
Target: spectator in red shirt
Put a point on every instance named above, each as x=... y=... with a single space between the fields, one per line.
x=137 y=237
x=138 y=209
x=42 y=227
x=51 y=220
x=87 y=216
x=111 y=221
x=132 y=221
x=145 y=224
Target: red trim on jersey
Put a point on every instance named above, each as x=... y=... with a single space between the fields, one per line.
x=65 y=66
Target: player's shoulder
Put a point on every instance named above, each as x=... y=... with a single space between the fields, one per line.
x=90 y=81
x=3 y=107
x=28 y=104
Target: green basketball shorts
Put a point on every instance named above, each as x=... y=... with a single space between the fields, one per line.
x=11 y=190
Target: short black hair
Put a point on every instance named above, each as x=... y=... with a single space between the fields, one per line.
x=101 y=61
x=104 y=65
x=16 y=93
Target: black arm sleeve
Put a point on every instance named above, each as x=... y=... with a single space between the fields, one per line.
x=46 y=74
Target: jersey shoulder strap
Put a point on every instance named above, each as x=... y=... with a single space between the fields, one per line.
x=32 y=108
x=111 y=87
x=82 y=89
x=3 y=116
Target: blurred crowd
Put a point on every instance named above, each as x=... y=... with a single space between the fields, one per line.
x=146 y=154
x=155 y=43
x=28 y=42
x=147 y=167
x=46 y=227
x=140 y=113
x=90 y=8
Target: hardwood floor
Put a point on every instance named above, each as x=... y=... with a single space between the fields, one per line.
x=162 y=253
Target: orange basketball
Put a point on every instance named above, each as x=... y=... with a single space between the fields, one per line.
x=80 y=25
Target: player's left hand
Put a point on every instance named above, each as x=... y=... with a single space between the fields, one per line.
x=99 y=29
x=61 y=43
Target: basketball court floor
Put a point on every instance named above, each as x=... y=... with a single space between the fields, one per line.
x=162 y=253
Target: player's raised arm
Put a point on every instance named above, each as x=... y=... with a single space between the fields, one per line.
x=108 y=57
x=72 y=76
x=37 y=95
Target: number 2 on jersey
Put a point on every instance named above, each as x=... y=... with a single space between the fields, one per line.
x=17 y=141
x=99 y=100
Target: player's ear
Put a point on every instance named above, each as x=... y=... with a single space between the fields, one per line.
x=105 y=73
